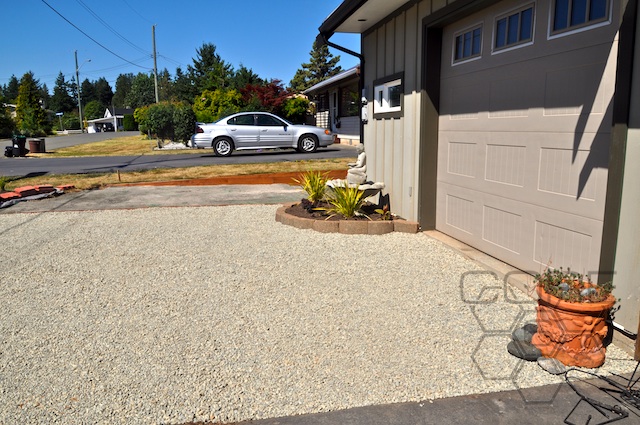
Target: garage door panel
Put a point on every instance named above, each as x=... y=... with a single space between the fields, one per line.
x=531 y=170
x=528 y=236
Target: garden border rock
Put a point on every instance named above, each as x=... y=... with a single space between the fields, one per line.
x=347 y=227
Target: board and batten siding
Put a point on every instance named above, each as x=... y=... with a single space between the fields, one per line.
x=392 y=144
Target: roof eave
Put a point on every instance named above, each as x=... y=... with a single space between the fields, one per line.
x=337 y=18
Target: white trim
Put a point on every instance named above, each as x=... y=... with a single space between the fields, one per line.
x=381 y=97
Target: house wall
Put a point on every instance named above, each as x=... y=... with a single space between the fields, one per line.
x=392 y=144
x=627 y=250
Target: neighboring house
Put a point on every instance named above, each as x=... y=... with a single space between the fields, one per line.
x=12 y=109
x=112 y=116
x=337 y=101
x=513 y=126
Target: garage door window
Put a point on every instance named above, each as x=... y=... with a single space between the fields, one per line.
x=514 y=28
x=571 y=14
x=468 y=44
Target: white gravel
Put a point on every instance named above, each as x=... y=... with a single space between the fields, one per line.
x=167 y=315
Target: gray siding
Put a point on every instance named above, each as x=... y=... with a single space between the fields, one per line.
x=392 y=145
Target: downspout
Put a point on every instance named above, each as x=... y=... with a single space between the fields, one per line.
x=323 y=39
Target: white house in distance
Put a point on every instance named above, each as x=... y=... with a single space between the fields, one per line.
x=337 y=101
x=512 y=126
x=111 y=118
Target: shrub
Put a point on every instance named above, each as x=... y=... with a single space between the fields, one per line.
x=347 y=201
x=295 y=109
x=184 y=122
x=129 y=123
x=160 y=120
x=315 y=184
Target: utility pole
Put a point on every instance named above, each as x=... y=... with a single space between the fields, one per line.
x=155 y=61
x=78 y=91
x=78 y=87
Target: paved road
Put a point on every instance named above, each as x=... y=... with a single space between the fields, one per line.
x=31 y=166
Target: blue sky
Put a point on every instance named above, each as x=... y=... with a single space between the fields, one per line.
x=271 y=37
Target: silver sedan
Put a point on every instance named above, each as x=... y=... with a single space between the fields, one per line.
x=259 y=130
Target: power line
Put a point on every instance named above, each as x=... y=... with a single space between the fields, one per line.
x=91 y=38
x=140 y=49
x=136 y=12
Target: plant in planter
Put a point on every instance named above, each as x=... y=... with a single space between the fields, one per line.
x=571 y=317
x=347 y=201
x=315 y=184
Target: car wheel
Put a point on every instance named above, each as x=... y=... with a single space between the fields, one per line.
x=308 y=143
x=223 y=147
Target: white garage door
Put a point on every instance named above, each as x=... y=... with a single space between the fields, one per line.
x=524 y=134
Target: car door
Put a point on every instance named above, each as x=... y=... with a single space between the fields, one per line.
x=243 y=131
x=273 y=132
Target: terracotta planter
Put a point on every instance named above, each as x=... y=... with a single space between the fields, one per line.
x=572 y=332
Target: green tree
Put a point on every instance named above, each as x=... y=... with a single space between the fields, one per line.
x=7 y=126
x=142 y=91
x=209 y=70
x=87 y=92
x=11 y=90
x=322 y=65
x=183 y=89
x=45 y=97
x=103 y=93
x=165 y=86
x=213 y=105
x=93 y=110
x=61 y=101
x=123 y=87
x=244 y=77
x=31 y=118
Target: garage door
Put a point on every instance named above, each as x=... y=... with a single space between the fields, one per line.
x=524 y=133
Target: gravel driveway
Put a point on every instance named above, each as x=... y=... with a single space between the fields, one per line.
x=168 y=315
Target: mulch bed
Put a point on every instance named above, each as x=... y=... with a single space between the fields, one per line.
x=307 y=209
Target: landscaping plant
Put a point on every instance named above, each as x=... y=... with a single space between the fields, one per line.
x=315 y=184
x=573 y=287
x=347 y=201
x=384 y=212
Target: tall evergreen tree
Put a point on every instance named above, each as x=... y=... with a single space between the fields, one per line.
x=183 y=88
x=209 y=70
x=88 y=92
x=142 y=91
x=321 y=66
x=31 y=118
x=62 y=101
x=165 y=86
x=103 y=93
x=11 y=90
x=244 y=77
x=123 y=87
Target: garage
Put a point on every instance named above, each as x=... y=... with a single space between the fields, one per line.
x=524 y=132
